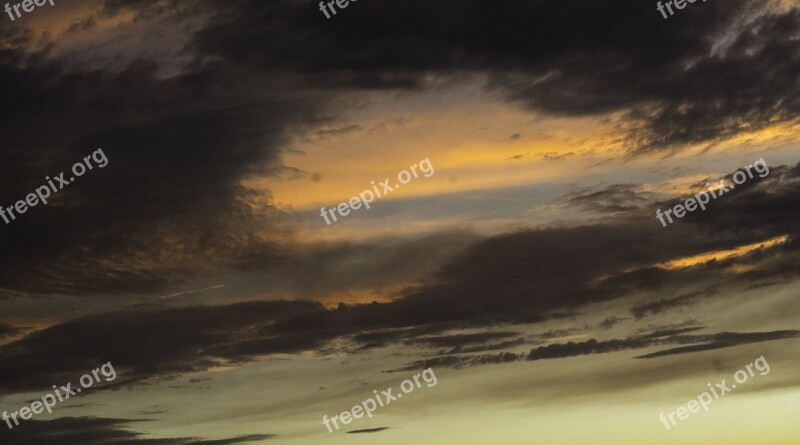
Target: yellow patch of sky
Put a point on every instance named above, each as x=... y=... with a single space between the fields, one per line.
x=716 y=255
x=720 y=255
x=686 y=185
x=469 y=146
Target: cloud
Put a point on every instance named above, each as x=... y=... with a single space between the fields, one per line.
x=610 y=322
x=10 y=331
x=724 y=340
x=340 y=131
x=101 y=431
x=526 y=276
x=190 y=338
x=672 y=79
x=163 y=133
x=153 y=410
x=669 y=330
x=614 y=198
x=169 y=204
x=457 y=343
x=461 y=361
x=545 y=272
x=461 y=340
x=369 y=430
x=664 y=304
x=709 y=342
x=592 y=346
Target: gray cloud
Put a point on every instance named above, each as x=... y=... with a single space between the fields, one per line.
x=722 y=340
x=101 y=431
x=709 y=342
x=614 y=198
x=369 y=430
x=462 y=361
x=531 y=276
x=664 y=304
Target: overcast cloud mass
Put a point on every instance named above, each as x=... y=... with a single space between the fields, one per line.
x=529 y=271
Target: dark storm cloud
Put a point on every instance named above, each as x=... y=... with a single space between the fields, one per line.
x=756 y=211
x=705 y=74
x=520 y=277
x=528 y=275
x=100 y=431
x=152 y=343
x=179 y=146
x=170 y=194
x=327 y=269
x=766 y=205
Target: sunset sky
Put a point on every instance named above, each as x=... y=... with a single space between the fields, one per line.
x=529 y=270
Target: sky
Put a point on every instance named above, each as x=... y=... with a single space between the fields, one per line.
x=526 y=273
